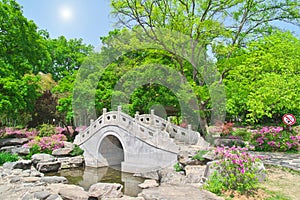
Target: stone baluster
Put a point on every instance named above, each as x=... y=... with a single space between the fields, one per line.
x=91 y=126
x=152 y=120
x=104 y=111
x=137 y=115
x=119 y=113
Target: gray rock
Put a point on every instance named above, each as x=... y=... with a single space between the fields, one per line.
x=31 y=179
x=210 y=168
x=26 y=173
x=28 y=196
x=69 y=192
x=23 y=164
x=48 y=166
x=178 y=192
x=20 y=164
x=54 y=197
x=54 y=179
x=148 y=184
x=15 y=179
x=21 y=150
x=13 y=141
x=124 y=198
x=71 y=162
x=169 y=175
x=42 y=157
x=151 y=175
x=228 y=142
x=209 y=155
x=194 y=173
x=42 y=195
x=62 y=152
x=261 y=171
x=69 y=145
x=8 y=149
x=106 y=190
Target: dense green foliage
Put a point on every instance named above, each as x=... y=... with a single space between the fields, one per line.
x=7 y=157
x=253 y=61
x=236 y=169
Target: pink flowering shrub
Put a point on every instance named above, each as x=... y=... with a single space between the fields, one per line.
x=275 y=139
x=19 y=133
x=49 y=143
x=235 y=170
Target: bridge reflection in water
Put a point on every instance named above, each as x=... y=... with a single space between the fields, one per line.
x=85 y=177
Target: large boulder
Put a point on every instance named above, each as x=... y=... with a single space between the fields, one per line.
x=169 y=175
x=106 y=190
x=48 y=166
x=20 y=164
x=13 y=141
x=178 y=192
x=74 y=194
x=54 y=179
x=228 y=142
x=71 y=162
x=42 y=157
x=148 y=184
x=62 y=152
x=194 y=173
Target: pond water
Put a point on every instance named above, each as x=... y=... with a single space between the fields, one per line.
x=87 y=176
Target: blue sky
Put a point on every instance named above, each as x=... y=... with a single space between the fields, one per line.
x=86 y=19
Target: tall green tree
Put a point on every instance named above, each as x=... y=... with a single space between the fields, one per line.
x=224 y=25
x=66 y=56
x=263 y=84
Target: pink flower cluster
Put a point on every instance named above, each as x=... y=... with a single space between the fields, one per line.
x=80 y=128
x=236 y=156
x=269 y=129
x=20 y=133
x=275 y=139
x=50 y=143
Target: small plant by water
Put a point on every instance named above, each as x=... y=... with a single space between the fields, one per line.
x=199 y=155
x=76 y=151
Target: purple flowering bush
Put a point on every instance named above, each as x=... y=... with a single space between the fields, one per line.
x=235 y=170
x=18 y=133
x=275 y=139
x=48 y=143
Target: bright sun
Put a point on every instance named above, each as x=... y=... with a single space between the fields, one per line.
x=66 y=13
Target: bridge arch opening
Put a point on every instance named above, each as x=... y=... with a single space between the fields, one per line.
x=111 y=150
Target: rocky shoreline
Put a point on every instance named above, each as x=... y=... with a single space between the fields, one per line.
x=26 y=179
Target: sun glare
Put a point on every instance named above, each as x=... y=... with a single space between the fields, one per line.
x=66 y=13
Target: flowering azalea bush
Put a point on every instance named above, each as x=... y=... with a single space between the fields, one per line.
x=18 y=133
x=47 y=144
x=275 y=139
x=235 y=170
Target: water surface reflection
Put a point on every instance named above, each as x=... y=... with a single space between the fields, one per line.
x=87 y=176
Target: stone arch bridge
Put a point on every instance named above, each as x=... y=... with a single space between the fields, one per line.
x=139 y=144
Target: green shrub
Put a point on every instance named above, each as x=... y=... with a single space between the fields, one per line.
x=33 y=150
x=275 y=139
x=178 y=167
x=199 y=155
x=215 y=184
x=76 y=151
x=235 y=170
x=243 y=134
x=46 y=130
x=7 y=157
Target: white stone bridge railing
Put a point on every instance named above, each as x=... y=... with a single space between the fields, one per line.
x=149 y=128
x=180 y=134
